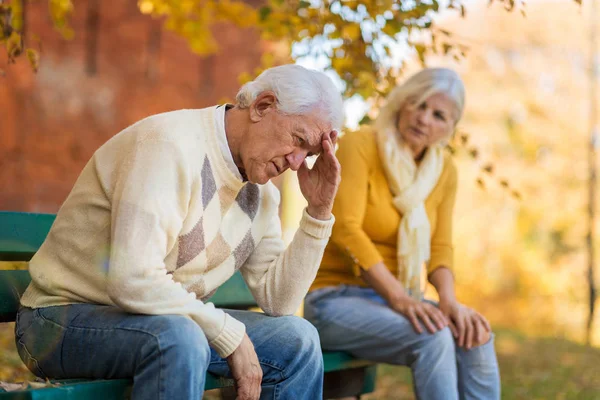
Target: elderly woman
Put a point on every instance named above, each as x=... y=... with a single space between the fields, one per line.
x=394 y=216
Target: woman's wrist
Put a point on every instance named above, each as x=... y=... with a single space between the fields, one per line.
x=443 y=281
x=447 y=297
x=397 y=297
x=401 y=304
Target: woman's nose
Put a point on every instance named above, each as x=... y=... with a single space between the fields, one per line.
x=424 y=116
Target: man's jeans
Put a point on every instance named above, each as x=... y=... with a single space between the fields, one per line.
x=359 y=321
x=166 y=355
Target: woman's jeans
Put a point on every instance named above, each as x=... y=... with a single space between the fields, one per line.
x=358 y=321
x=166 y=355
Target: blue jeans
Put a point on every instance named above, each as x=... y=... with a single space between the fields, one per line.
x=166 y=355
x=358 y=321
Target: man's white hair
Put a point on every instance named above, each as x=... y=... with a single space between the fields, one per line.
x=299 y=91
x=419 y=88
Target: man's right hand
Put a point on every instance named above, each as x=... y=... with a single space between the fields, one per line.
x=245 y=370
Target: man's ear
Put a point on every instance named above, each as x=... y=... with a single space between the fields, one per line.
x=263 y=104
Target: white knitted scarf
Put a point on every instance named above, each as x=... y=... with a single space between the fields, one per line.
x=410 y=185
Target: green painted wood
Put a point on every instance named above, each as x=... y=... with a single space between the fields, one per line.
x=216 y=382
x=121 y=388
x=88 y=390
x=95 y=390
x=12 y=286
x=233 y=294
x=370 y=379
x=22 y=234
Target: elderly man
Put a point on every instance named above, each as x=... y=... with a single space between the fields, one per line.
x=161 y=216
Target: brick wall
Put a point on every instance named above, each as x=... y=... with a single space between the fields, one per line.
x=51 y=122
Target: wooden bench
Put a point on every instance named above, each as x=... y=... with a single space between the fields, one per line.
x=21 y=234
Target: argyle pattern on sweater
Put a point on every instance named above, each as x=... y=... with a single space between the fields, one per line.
x=210 y=247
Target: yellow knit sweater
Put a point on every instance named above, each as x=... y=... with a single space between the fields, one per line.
x=366 y=227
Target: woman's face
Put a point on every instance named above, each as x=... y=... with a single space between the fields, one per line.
x=421 y=125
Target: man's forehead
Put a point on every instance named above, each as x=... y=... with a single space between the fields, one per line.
x=314 y=129
x=312 y=134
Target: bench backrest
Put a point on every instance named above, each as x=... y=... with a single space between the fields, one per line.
x=22 y=234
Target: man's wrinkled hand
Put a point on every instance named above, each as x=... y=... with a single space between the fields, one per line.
x=319 y=184
x=245 y=370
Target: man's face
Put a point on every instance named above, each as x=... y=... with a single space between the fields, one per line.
x=277 y=141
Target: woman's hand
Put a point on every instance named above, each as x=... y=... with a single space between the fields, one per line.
x=470 y=329
x=389 y=288
x=416 y=311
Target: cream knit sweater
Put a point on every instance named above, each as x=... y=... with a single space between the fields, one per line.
x=156 y=222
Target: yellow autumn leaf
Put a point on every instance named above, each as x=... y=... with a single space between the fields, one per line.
x=351 y=31
x=236 y=12
x=17 y=15
x=340 y=64
x=267 y=60
x=391 y=28
x=14 y=45
x=146 y=6
x=204 y=45
x=187 y=6
x=244 y=77
x=34 y=59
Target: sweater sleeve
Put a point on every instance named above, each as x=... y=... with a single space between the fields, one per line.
x=279 y=278
x=355 y=156
x=149 y=203
x=441 y=242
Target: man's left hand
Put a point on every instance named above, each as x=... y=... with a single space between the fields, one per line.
x=319 y=184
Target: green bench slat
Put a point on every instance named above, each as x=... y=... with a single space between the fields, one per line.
x=89 y=390
x=119 y=388
x=12 y=286
x=22 y=234
x=95 y=390
x=233 y=294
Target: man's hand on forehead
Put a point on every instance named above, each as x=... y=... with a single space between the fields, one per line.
x=319 y=184
x=331 y=136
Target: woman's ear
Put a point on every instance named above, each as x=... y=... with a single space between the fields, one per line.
x=262 y=105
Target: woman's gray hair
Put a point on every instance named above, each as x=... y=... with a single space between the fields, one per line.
x=299 y=91
x=419 y=88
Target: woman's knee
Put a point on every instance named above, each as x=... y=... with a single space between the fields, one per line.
x=480 y=359
x=482 y=338
x=441 y=341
